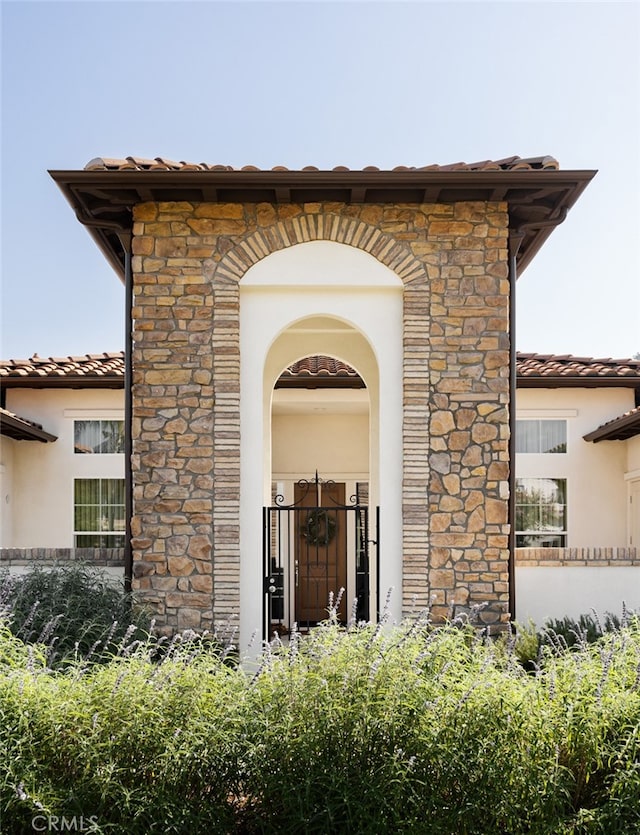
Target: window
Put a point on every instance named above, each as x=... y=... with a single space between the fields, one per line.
x=541 y=512
x=98 y=436
x=99 y=512
x=541 y=436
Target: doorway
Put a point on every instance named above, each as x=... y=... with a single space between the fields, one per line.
x=320 y=552
x=320 y=556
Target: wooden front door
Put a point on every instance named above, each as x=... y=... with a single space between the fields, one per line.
x=321 y=552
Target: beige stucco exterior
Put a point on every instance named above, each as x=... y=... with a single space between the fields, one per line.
x=557 y=591
x=596 y=487
x=342 y=438
x=7 y=499
x=633 y=454
x=37 y=479
x=321 y=297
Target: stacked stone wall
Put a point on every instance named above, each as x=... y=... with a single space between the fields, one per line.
x=469 y=409
x=188 y=262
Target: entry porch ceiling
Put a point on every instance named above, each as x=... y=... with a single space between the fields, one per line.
x=103 y=194
x=320 y=402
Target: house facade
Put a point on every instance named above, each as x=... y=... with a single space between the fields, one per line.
x=407 y=276
x=62 y=467
x=577 y=486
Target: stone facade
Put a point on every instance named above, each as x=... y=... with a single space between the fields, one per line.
x=188 y=262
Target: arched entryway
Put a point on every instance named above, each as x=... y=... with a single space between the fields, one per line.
x=330 y=300
x=320 y=529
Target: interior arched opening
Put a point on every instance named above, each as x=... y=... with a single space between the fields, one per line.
x=320 y=428
x=322 y=420
x=318 y=299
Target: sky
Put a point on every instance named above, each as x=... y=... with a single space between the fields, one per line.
x=320 y=83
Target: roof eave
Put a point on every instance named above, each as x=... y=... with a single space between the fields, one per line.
x=14 y=427
x=309 y=382
x=577 y=382
x=67 y=382
x=533 y=196
x=627 y=426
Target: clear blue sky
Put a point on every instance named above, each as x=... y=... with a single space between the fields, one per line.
x=326 y=83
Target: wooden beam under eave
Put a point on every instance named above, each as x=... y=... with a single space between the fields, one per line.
x=210 y=194
x=498 y=195
x=431 y=194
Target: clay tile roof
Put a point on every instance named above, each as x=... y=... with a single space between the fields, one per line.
x=160 y=163
x=99 y=370
x=22 y=429
x=107 y=371
x=319 y=371
x=565 y=369
x=319 y=365
x=619 y=429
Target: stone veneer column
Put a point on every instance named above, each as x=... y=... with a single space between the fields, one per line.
x=173 y=407
x=188 y=261
x=469 y=420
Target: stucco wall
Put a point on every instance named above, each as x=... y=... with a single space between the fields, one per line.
x=559 y=591
x=7 y=447
x=596 y=489
x=330 y=443
x=322 y=297
x=633 y=455
x=41 y=490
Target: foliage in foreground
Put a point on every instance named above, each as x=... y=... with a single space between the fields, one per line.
x=565 y=633
x=366 y=730
x=75 y=610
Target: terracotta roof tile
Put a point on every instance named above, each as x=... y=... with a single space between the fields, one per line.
x=160 y=163
x=531 y=367
x=619 y=429
x=22 y=429
x=88 y=368
x=321 y=366
x=568 y=366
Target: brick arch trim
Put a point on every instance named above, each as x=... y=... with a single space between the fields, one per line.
x=225 y=277
x=317 y=227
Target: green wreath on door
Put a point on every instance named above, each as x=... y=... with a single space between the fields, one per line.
x=319 y=528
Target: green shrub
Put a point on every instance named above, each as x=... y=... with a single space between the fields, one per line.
x=524 y=642
x=75 y=610
x=138 y=745
x=532 y=646
x=413 y=729
x=568 y=632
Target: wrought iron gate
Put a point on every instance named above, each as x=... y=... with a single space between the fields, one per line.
x=315 y=549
